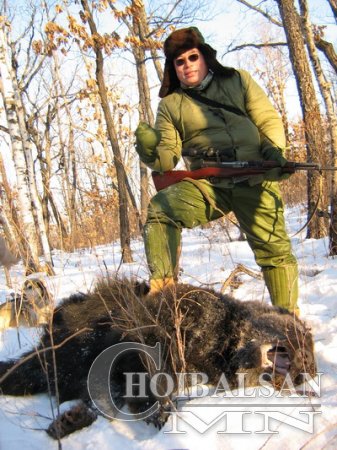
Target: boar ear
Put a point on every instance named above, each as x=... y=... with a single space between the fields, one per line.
x=141 y=289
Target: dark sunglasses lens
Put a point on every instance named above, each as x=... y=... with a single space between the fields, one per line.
x=192 y=58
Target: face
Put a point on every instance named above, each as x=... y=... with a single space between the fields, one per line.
x=191 y=67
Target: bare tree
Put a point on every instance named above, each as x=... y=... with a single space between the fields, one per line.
x=67 y=148
x=331 y=114
x=139 y=38
x=333 y=5
x=8 y=212
x=33 y=230
x=120 y=171
x=314 y=129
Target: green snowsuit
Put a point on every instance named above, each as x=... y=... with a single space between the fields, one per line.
x=183 y=122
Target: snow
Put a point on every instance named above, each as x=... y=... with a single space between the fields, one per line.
x=214 y=422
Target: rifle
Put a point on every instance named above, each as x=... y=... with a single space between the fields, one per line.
x=238 y=171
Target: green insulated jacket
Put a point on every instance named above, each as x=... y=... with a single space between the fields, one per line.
x=183 y=122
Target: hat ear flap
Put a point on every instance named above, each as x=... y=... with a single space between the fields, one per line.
x=213 y=64
x=170 y=80
x=165 y=85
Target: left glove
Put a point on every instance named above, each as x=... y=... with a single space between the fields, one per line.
x=147 y=139
x=276 y=174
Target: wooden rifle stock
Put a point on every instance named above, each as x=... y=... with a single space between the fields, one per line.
x=235 y=170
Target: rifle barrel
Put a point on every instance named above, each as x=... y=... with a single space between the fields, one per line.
x=290 y=166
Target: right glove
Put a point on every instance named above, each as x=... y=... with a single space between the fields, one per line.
x=147 y=139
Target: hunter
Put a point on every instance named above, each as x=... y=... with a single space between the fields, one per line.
x=207 y=106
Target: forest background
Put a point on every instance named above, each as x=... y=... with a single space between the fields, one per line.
x=77 y=76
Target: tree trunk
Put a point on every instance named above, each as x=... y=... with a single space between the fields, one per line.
x=28 y=154
x=120 y=171
x=67 y=152
x=140 y=30
x=27 y=194
x=314 y=130
x=8 y=213
x=333 y=5
x=43 y=148
x=332 y=119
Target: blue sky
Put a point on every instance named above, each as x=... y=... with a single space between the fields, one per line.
x=236 y=24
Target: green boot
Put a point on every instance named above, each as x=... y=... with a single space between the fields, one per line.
x=282 y=284
x=162 y=249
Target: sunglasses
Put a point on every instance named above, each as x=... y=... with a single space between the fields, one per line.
x=191 y=58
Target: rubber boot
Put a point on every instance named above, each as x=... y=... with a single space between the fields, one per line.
x=162 y=248
x=282 y=284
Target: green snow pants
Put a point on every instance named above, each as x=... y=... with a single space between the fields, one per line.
x=259 y=211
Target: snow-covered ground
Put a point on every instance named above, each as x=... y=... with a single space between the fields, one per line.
x=208 y=258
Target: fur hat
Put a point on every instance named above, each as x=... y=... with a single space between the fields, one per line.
x=179 y=42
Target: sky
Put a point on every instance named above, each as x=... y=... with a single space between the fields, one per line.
x=236 y=21
x=235 y=24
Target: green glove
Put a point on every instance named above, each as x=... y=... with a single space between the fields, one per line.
x=276 y=175
x=147 y=139
x=275 y=154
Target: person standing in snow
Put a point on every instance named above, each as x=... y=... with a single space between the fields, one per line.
x=243 y=125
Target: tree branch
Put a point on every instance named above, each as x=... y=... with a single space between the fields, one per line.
x=260 y=11
x=4 y=129
x=328 y=50
x=258 y=46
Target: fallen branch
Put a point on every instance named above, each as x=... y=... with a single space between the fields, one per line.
x=234 y=282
